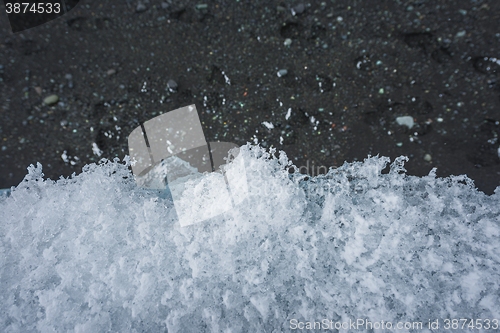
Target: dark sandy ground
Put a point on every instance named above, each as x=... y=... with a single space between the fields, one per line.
x=352 y=68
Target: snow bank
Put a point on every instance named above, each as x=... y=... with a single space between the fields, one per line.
x=94 y=253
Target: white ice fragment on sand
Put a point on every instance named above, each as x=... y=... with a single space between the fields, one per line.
x=288 y=114
x=64 y=156
x=228 y=82
x=96 y=150
x=282 y=72
x=268 y=124
x=406 y=121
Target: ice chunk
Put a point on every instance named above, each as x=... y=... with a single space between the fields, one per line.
x=406 y=121
x=95 y=252
x=268 y=125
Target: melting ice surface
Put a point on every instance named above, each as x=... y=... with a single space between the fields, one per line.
x=94 y=253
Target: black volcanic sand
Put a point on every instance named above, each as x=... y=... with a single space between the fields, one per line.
x=352 y=68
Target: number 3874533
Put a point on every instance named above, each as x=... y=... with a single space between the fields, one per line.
x=32 y=8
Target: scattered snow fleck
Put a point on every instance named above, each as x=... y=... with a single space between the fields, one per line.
x=268 y=125
x=288 y=114
x=96 y=150
x=64 y=156
x=75 y=159
x=228 y=82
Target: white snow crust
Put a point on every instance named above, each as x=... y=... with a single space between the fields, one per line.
x=95 y=253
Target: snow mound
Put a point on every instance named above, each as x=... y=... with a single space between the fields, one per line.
x=95 y=253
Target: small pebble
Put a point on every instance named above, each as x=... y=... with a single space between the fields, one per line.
x=164 y=5
x=69 y=77
x=38 y=90
x=50 y=100
x=282 y=72
x=399 y=144
x=427 y=157
x=288 y=42
x=172 y=85
x=140 y=7
x=111 y=72
x=201 y=6
x=299 y=9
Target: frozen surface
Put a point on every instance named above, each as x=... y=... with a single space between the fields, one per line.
x=94 y=253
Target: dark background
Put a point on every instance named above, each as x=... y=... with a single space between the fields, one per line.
x=352 y=68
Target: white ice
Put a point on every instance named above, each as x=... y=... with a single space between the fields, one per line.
x=94 y=253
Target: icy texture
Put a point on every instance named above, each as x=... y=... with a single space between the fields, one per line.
x=94 y=253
